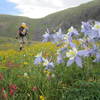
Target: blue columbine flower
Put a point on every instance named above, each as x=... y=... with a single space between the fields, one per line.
x=47 y=64
x=72 y=32
x=39 y=59
x=97 y=29
x=86 y=28
x=58 y=37
x=47 y=36
x=74 y=57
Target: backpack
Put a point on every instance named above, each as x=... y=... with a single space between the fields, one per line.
x=23 y=31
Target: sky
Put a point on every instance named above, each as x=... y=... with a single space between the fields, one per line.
x=36 y=8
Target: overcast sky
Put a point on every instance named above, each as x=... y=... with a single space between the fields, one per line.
x=36 y=8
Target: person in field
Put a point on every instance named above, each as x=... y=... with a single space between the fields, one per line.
x=21 y=34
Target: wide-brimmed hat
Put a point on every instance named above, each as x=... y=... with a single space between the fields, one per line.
x=24 y=25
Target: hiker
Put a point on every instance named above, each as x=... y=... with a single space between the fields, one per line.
x=21 y=34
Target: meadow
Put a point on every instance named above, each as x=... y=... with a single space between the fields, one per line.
x=61 y=67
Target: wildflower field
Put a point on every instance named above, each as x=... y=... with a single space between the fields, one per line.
x=64 y=66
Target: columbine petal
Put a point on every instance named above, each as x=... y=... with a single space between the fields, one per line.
x=84 y=53
x=59 y=59
x=50 y=65
x=78 y=61
x=70 y=61
x=72 y=45
x=38 y=60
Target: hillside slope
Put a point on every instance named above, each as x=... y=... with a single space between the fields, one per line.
x=66 y=18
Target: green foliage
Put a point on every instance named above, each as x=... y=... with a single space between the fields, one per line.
x=82 y=90
x=63 y=83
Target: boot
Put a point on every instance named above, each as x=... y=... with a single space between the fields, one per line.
x=20 y=48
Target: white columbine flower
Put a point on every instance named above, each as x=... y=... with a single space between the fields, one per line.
x=46 y=62
x=72 y=53
x=97 y=25
x=70 y=29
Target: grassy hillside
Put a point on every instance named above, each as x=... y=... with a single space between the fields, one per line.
x=66 y=18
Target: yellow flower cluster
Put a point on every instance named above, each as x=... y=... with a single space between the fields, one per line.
x=42 y=97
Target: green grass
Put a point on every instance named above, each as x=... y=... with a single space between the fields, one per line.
x=63 y=83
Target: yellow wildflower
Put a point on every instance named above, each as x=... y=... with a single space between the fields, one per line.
x=42 y=97
x=47 y=72
x=25 y=63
